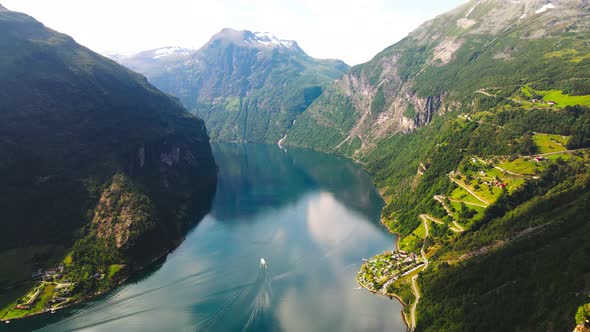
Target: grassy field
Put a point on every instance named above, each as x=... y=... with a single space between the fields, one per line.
x=410 y=242
x=18 y=264
x=7 y=297
x=526 y=166
x=563 y=100
x=478 y=209
x=461 y=194
x=113 y=269
x=572 y=54
x=487 y=192
x=550 y=143
x=557 y=96
x=42 y=300
x=457 y=206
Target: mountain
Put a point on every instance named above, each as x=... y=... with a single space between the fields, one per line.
x=96 y=164
x=448 y=63
x=152 y=62
x=247 y=86
x=476 y=128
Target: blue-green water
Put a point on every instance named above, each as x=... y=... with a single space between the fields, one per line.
x=312 y=217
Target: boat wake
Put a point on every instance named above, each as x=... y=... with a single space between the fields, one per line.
x=244 y=306
x=256 y=299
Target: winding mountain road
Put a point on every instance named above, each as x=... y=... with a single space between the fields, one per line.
x=470 y=191
x=415 y=289
x=458 y=228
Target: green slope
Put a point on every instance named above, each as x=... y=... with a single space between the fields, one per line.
x=480 y=53
x=532 y=282
x=91 y=157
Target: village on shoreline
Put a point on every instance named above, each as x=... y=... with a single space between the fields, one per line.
x=378 y=273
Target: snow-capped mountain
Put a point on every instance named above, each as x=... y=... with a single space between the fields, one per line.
x=157 y=53
x=151 y=60
x=268 y=39
x=247 y=86
x=171 y=51
x=248 y=38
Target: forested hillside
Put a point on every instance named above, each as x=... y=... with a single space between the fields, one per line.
x=507 y=213
x=100 y=171
x=476 y=127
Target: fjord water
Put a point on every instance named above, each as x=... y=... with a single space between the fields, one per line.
x=312 y=217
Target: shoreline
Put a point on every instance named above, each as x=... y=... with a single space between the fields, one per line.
x=164 y=254
x=67 y=304
x=93 y=296
x=397 y=241
x=389 y=296
x=381 y=220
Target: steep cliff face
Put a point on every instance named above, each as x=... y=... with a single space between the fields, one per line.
x=445 y=65
x=247 y=86
x=89 y=149
x=356 y=113
x=122 y=213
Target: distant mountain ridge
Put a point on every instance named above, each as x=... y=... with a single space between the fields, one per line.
x=247 y=86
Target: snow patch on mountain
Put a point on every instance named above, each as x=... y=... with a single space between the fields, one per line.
x=170 y=51
x=268 y=39
x=117 y=56
x=545 y=8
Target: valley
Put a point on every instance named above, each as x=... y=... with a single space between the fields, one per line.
x=451 y=172
x=474 y=120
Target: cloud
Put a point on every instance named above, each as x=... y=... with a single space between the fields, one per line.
x=350 y=30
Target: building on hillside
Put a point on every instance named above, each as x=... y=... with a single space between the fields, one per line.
x=551 y=103
x=37 y=274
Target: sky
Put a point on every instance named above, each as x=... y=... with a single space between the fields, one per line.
x=353 y=31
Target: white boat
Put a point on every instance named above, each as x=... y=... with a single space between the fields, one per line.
x=262 y=262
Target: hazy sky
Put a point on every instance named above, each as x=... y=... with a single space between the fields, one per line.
x=353 y=31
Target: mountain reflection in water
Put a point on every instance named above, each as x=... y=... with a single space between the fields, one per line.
x=312 y=217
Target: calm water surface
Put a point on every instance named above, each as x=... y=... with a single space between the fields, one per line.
x=312 y=217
